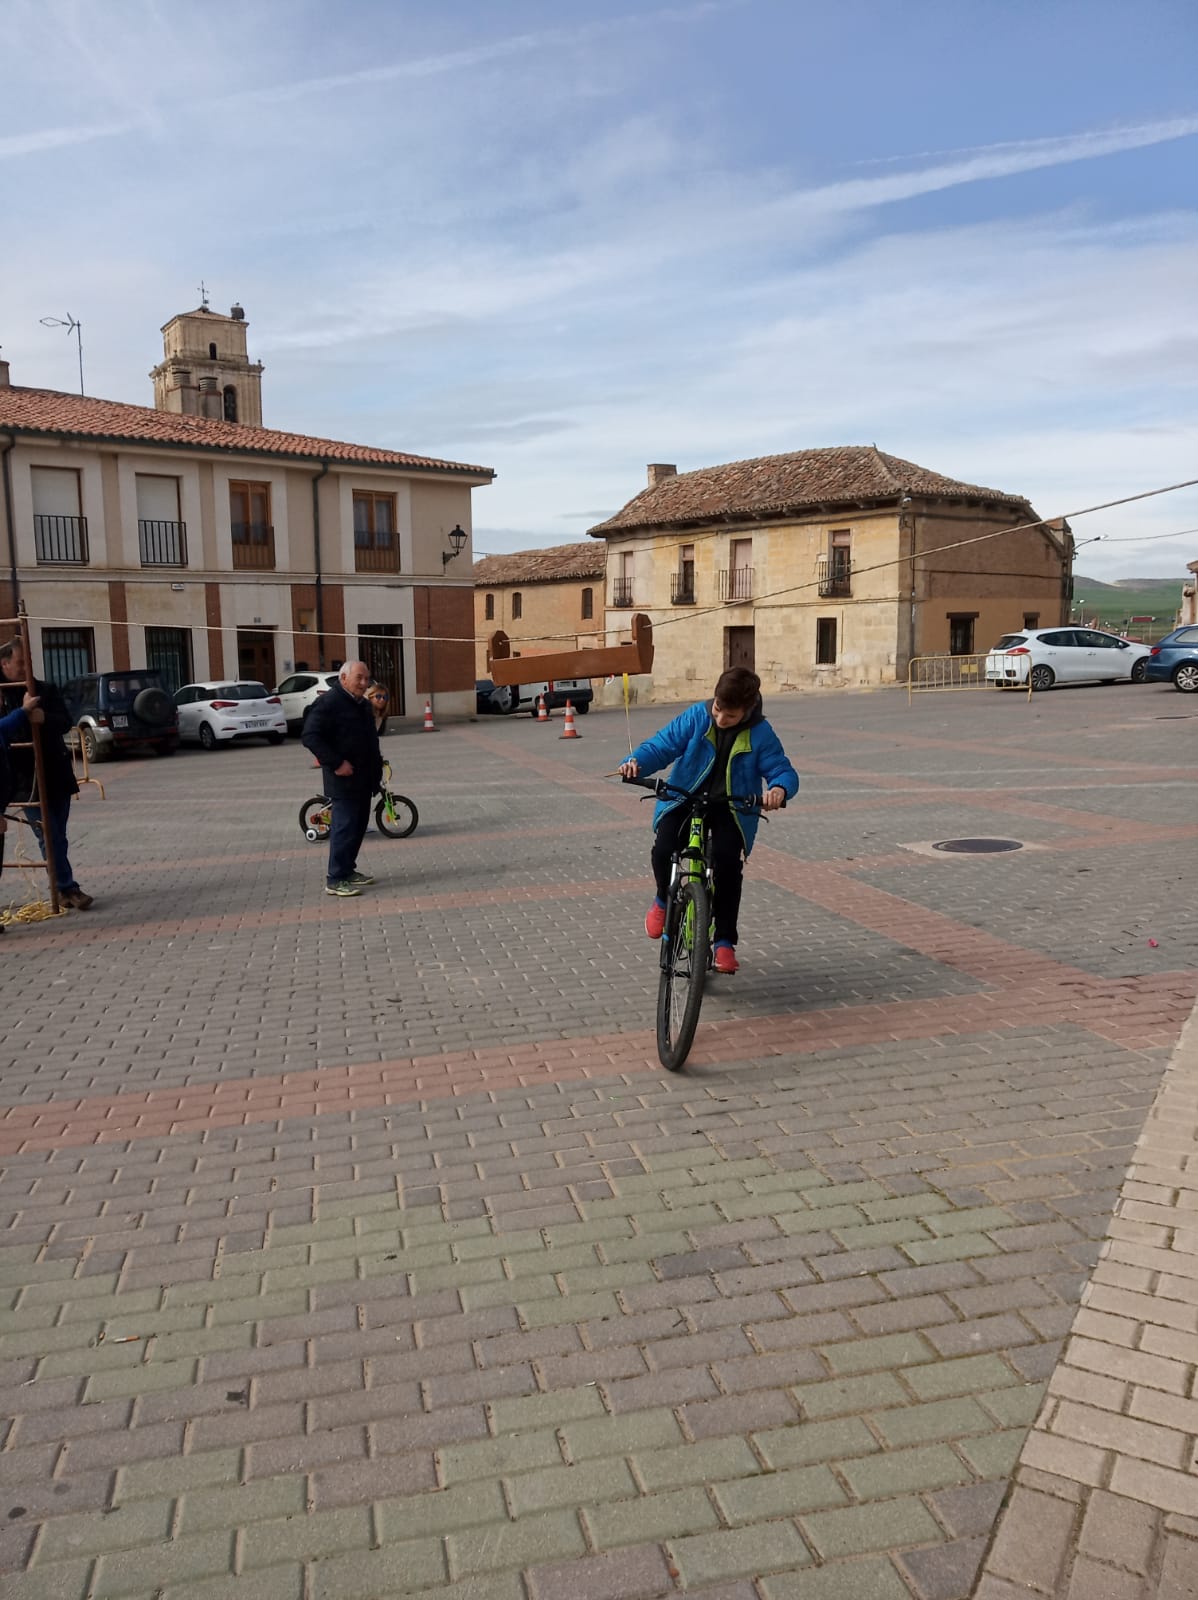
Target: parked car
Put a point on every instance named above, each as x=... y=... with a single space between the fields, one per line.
x=1175 y=660
x=119 y=711
x=216 y=713
x=1064 y=655
x=510 y=698
x=298 y=692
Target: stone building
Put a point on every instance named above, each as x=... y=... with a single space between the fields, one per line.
x=826 y=567
x=188 y=537
x=542 y=599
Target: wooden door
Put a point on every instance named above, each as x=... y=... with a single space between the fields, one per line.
x=256 y=655
x=739 y=648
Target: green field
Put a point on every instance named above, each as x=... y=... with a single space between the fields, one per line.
x=1113 y=605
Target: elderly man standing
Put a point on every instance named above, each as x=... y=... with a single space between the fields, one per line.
x=340 y=732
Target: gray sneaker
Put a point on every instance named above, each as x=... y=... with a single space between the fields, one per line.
x=361 y=879
x=344 y=888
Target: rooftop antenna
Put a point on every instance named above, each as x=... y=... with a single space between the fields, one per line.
x=73 y=327
x=203 y=296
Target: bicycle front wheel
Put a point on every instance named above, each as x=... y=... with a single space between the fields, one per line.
x=683 y=973
x=396 y=816
x=315 y=817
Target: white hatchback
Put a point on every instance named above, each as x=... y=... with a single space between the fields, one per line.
x=299 y=691
x=217 y=713
x=1065 y=655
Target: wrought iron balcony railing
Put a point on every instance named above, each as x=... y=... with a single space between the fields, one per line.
x=835 y=578
x=736 y=583
x=162 y=544
x=682 y=588
x=60 y=541
x=621 y=592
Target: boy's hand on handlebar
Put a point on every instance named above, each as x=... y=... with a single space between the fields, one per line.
x=773 y=799
x=629 y=768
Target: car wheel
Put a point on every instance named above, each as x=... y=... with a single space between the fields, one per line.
x=275 y=738
x=167 y=749
x=207 y=738
x=1043 y=677
x=1139 y=672
x=583 y=708
x=92 y=748
x=1185 y=679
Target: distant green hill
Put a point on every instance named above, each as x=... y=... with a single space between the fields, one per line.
x=1110 y=604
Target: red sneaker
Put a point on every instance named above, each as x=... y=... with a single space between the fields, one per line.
x=655 y=920
x=725 y=959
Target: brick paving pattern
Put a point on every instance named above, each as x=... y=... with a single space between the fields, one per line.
x=362 y=1248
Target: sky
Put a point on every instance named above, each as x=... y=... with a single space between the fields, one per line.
x=564 y=238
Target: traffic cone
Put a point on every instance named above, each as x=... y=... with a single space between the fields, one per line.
x=570 y=731
x=542 y=714
x=429 y=725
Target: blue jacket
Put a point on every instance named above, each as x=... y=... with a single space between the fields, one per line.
x=689 y=742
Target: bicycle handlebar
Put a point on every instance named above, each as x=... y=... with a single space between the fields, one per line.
x=664 y=790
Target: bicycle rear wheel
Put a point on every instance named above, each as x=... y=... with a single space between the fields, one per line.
x=683 y=973
x=315 y=817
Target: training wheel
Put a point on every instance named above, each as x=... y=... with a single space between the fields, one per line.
x=311 y=833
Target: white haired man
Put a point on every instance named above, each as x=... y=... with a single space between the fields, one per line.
x=341 y=733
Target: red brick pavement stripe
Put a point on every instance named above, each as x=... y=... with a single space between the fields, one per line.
x=1138 y=1013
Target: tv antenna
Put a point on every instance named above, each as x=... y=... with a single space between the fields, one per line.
x=73 y=326
x=203 y=296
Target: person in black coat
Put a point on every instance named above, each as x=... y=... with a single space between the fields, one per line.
x=61 y=787
x=340 y=731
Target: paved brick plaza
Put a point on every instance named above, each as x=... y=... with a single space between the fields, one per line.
x=361 y=1248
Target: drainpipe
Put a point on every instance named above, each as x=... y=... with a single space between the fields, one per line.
x=323 y=473
x=9 y=443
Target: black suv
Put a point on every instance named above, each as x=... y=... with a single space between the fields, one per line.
x=118 y=711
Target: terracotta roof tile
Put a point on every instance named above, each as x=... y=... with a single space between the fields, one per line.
x=799 y=481
x=552 y=564
x=49 y=412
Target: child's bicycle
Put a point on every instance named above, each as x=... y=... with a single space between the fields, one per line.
x=686 y=942
x=394 y=814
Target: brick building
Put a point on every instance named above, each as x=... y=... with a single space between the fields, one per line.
x=187 y=536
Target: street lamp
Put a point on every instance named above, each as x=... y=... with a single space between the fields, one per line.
x=73 y=327
x=457 y=539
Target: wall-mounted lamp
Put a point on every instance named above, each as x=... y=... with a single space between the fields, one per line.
x=457 y=539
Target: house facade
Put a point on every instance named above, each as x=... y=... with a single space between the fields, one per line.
x=184 y=537
x=542 y=599
x=826 y=567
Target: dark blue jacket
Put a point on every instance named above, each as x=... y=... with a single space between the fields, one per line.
x=56 y=758
x=339 y=728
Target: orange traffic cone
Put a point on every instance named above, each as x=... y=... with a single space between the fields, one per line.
x=429 y=725
x=542 y=714
x=570 y=731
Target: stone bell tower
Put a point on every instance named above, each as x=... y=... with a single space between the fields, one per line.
x=205 y=370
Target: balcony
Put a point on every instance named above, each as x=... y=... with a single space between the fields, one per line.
x=253 y=546
x=736 y=583
x=162 y=544
x=621 y=592
x=835 y=578
x=60 y=541
x=682 y=588
x=376 y=557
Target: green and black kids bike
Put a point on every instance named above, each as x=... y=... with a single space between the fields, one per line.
x=686 y=941
x=394 y=814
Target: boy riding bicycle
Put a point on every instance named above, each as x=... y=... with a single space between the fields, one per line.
x=719 y=748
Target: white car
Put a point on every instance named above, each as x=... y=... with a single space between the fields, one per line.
x=1065 y=655
x=298 y=692
x=216 y=713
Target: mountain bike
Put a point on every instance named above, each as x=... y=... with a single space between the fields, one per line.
x=394 y=814
x=686 y=941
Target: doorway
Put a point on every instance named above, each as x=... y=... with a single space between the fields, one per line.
x=380 y=646
x=256 y=655
x=739 y=649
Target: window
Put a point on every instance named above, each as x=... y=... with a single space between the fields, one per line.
x=588 y=604
x=737 y=582
x=825 y=641
x=682 y=585
x=622 y=585
x=161 y=536
x=59 y=528
x=212 y=352
x=489 y=608
x=960 y=634
x=253 y=535
x=68 y=653
x=230 y=402
x=517 y=605
x=169 y=650
x=1031 y=619
x=376 y=548
x=835 y=574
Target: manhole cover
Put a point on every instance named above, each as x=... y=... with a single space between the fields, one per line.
x=978 y=847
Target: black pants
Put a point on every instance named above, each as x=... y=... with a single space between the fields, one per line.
x=350 y=818
x=727 y=863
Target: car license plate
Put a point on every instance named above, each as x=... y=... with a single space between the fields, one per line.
x=258 y=722
x=120 y=722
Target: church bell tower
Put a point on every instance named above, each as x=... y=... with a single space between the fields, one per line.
x=205 y=370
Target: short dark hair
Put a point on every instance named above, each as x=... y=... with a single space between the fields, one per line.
x=737 y=689
x=10 y=649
